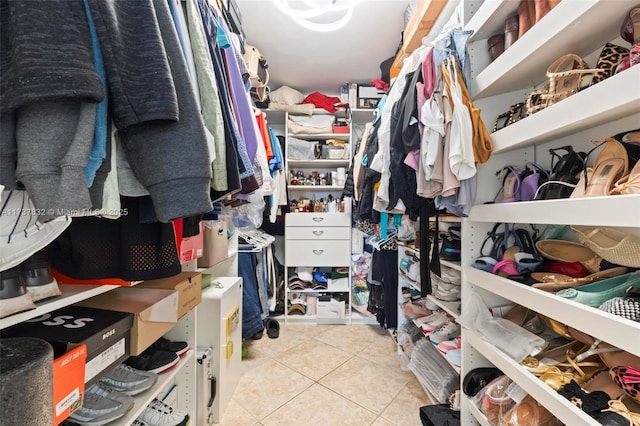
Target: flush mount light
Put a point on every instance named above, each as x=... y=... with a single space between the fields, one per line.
x=318 y=15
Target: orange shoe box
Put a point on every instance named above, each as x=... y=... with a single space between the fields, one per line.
x=68 y=383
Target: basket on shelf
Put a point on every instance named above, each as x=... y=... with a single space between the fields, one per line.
x=567 y=76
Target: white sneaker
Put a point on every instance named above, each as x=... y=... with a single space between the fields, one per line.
x=448 y=331
x=158 y=413
x=450 y=295
x=129 y=380
x=435 y=315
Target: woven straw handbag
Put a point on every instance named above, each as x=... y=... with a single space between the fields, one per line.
x=612 y=245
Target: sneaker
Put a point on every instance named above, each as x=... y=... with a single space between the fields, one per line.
x=179 y=347
x=158 y=413
x=446 y=332
x=447 y=295
x=108 y=392
x=13 y=294
x=152 y=360
x=448 y=345
x=37 y=278
x=454 y=357
x=436 y=324
x=98 y=410
x=129 y=380
x=435 y=315
x=138 y=422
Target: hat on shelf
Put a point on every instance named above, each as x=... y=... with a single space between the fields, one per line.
x=21 y=232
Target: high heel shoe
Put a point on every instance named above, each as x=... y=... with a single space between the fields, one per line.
x=610 y=166
x=564 y=174
x=630 y=30
x=629 y=184
x=609 y=354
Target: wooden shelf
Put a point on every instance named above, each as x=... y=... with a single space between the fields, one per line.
x=562 y=408
x=449 y=307
x=71 y=293
x=599 y=324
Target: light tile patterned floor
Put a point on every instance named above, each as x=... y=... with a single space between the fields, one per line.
x=325 y=375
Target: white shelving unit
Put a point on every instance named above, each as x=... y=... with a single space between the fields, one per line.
x=71 y=293
x=158 y=390
x=612 y=106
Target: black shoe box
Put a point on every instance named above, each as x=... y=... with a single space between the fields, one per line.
x=105 y=333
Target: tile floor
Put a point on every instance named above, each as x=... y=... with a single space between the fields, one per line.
x=325 y=375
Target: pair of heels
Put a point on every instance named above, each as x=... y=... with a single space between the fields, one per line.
x=610 y=170
x=564 y=174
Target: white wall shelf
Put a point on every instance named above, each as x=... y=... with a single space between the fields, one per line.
x=161 y=385
x=452 y=265
x=318 y=164
x=617 y=97
x=449 y=307
x=567 y=28
x=610 y=328
x=71 y=293
x=309 y=136
x=562 y=408
x=591 y=211
x=476 y=413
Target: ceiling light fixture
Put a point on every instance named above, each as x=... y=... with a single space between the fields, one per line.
x=303 y=11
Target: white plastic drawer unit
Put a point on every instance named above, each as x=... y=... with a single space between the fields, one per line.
x=318 y=219
x=313 y=233
x=317 y=252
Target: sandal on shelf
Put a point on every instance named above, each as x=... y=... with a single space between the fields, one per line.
x=507 y=266
x=621 y=412
x=595 y=294
x=568 y=251
x=609 y=354
x=629 y=184
x=564 y=174
x=611 y=244
x=604 y=383
x=556 y=282
x=590 y=402
x=611 y=164
x=549 y=358
x=580 y=372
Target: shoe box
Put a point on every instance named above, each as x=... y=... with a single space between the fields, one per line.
x=187 y=284
x=85 y=341
x=155 y=312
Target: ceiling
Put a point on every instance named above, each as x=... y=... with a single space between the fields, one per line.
x=317 y=61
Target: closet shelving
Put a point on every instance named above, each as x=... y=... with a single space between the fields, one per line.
x=450 y=308
x=582 y=27
x=71 y=293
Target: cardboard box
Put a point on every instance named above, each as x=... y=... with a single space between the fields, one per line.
x=105 y=333
x=187 y=284
x=191 y=248
x=155 y=312
x=216 y=243
x=68 y=383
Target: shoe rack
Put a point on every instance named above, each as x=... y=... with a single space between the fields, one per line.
x=582 y=27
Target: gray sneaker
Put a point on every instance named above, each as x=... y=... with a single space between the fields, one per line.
x=98 y=409
x=108 y=392
x=129 y=380
x=158 y=413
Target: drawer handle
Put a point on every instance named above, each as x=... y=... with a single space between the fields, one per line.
x=318 y=251
x=318 y=232
x=318 y=219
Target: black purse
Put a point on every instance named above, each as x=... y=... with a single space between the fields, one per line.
x=439 y=415
x=478 y=378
